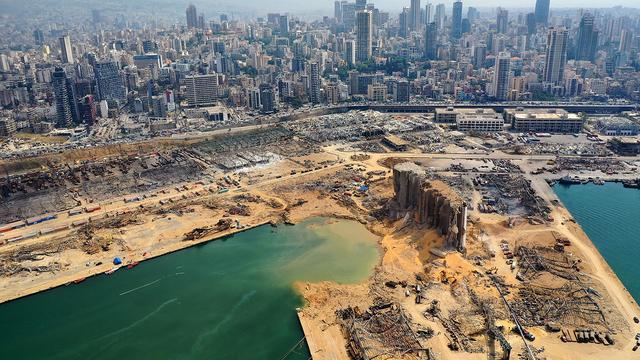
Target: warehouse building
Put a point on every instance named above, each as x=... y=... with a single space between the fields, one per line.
x=544 y=120
x=617 y=126
x=485 y=121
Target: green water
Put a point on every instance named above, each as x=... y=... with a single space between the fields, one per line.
x=610 y=215
x=228 y=299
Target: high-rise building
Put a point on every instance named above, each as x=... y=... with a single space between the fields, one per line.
x=66 y=50
x=7 y=127
x=428 y=14
x=314 y=83
x=361 y=4
x=96 y=16
x=332 y=93
x=531 y=23
x=587 y=42
x=4 y=63
x=284 y=24
x=401 y=91
x=192 y=16
x=298 y=63
x=472 y=14
x=456 y=20
x=337 y=11
x=626 y=41
x=415 y=12
x=440 y=15
x=403 y=23
x=267 y=98
x=66 y=106
x=502 y=21
x=201 y=23
x=349 y=14
x=431 y=41
x=556 y=56
x=88 y=110
x=364 y=36
x=479 y=56
x=501 y=76
x=38 y=37
x=542 y=11
x=109 y=82
x=350 y=52
x=202 y=90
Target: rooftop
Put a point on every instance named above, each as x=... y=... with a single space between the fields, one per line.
x=546 y=116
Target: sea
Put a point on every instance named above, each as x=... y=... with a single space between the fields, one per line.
x=610 y=215
x=228 y=299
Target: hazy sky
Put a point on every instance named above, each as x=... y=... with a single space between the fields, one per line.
x=252 y=8
x=398 y=4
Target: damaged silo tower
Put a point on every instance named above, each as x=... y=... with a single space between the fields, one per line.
x=432 y=203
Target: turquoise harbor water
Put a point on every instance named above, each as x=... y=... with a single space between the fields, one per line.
x=610 y=215
x=228 y=299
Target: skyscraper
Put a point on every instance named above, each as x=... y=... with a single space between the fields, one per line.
x=531 y=23
x=284 y=24
x=502 y=76
x=456 y=20
x=337 y=11
x=192 y=16
x=348 y=14
x=479 y=56
x=364 y=36
x=542 y=11
x=267 y=98
x=202 y=89
x=428 y=14
x=314 y=83
x=403 y=23
x=415 y=12
x=66 y=50
x=439 y=19
x=431 y=41
x=88 y=110
x=472 y=14
x=350 y=52
x=587 y=41
x=361 y=4
x=626 y=41
x=556 y=56
x=38 y=37
x=110 y=84
x=502 y=21
x=66 y=106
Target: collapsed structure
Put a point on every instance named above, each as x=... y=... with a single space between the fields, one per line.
x=432 y=203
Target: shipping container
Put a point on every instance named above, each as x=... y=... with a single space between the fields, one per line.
x=74 y=212
x=12 y=226
x=78 y=223
x=92 y=208
x=40 y=219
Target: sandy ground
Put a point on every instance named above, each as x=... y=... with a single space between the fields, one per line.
x=405 y=254
x=155 y=235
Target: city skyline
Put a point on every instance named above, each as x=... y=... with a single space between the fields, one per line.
x=317 y=7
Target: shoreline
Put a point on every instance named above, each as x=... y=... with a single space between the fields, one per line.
x=586 y=238
x=100 y=270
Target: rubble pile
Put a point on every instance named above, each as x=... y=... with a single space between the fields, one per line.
x=381 y=331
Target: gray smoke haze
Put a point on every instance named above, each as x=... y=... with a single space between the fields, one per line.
x=252 y=8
